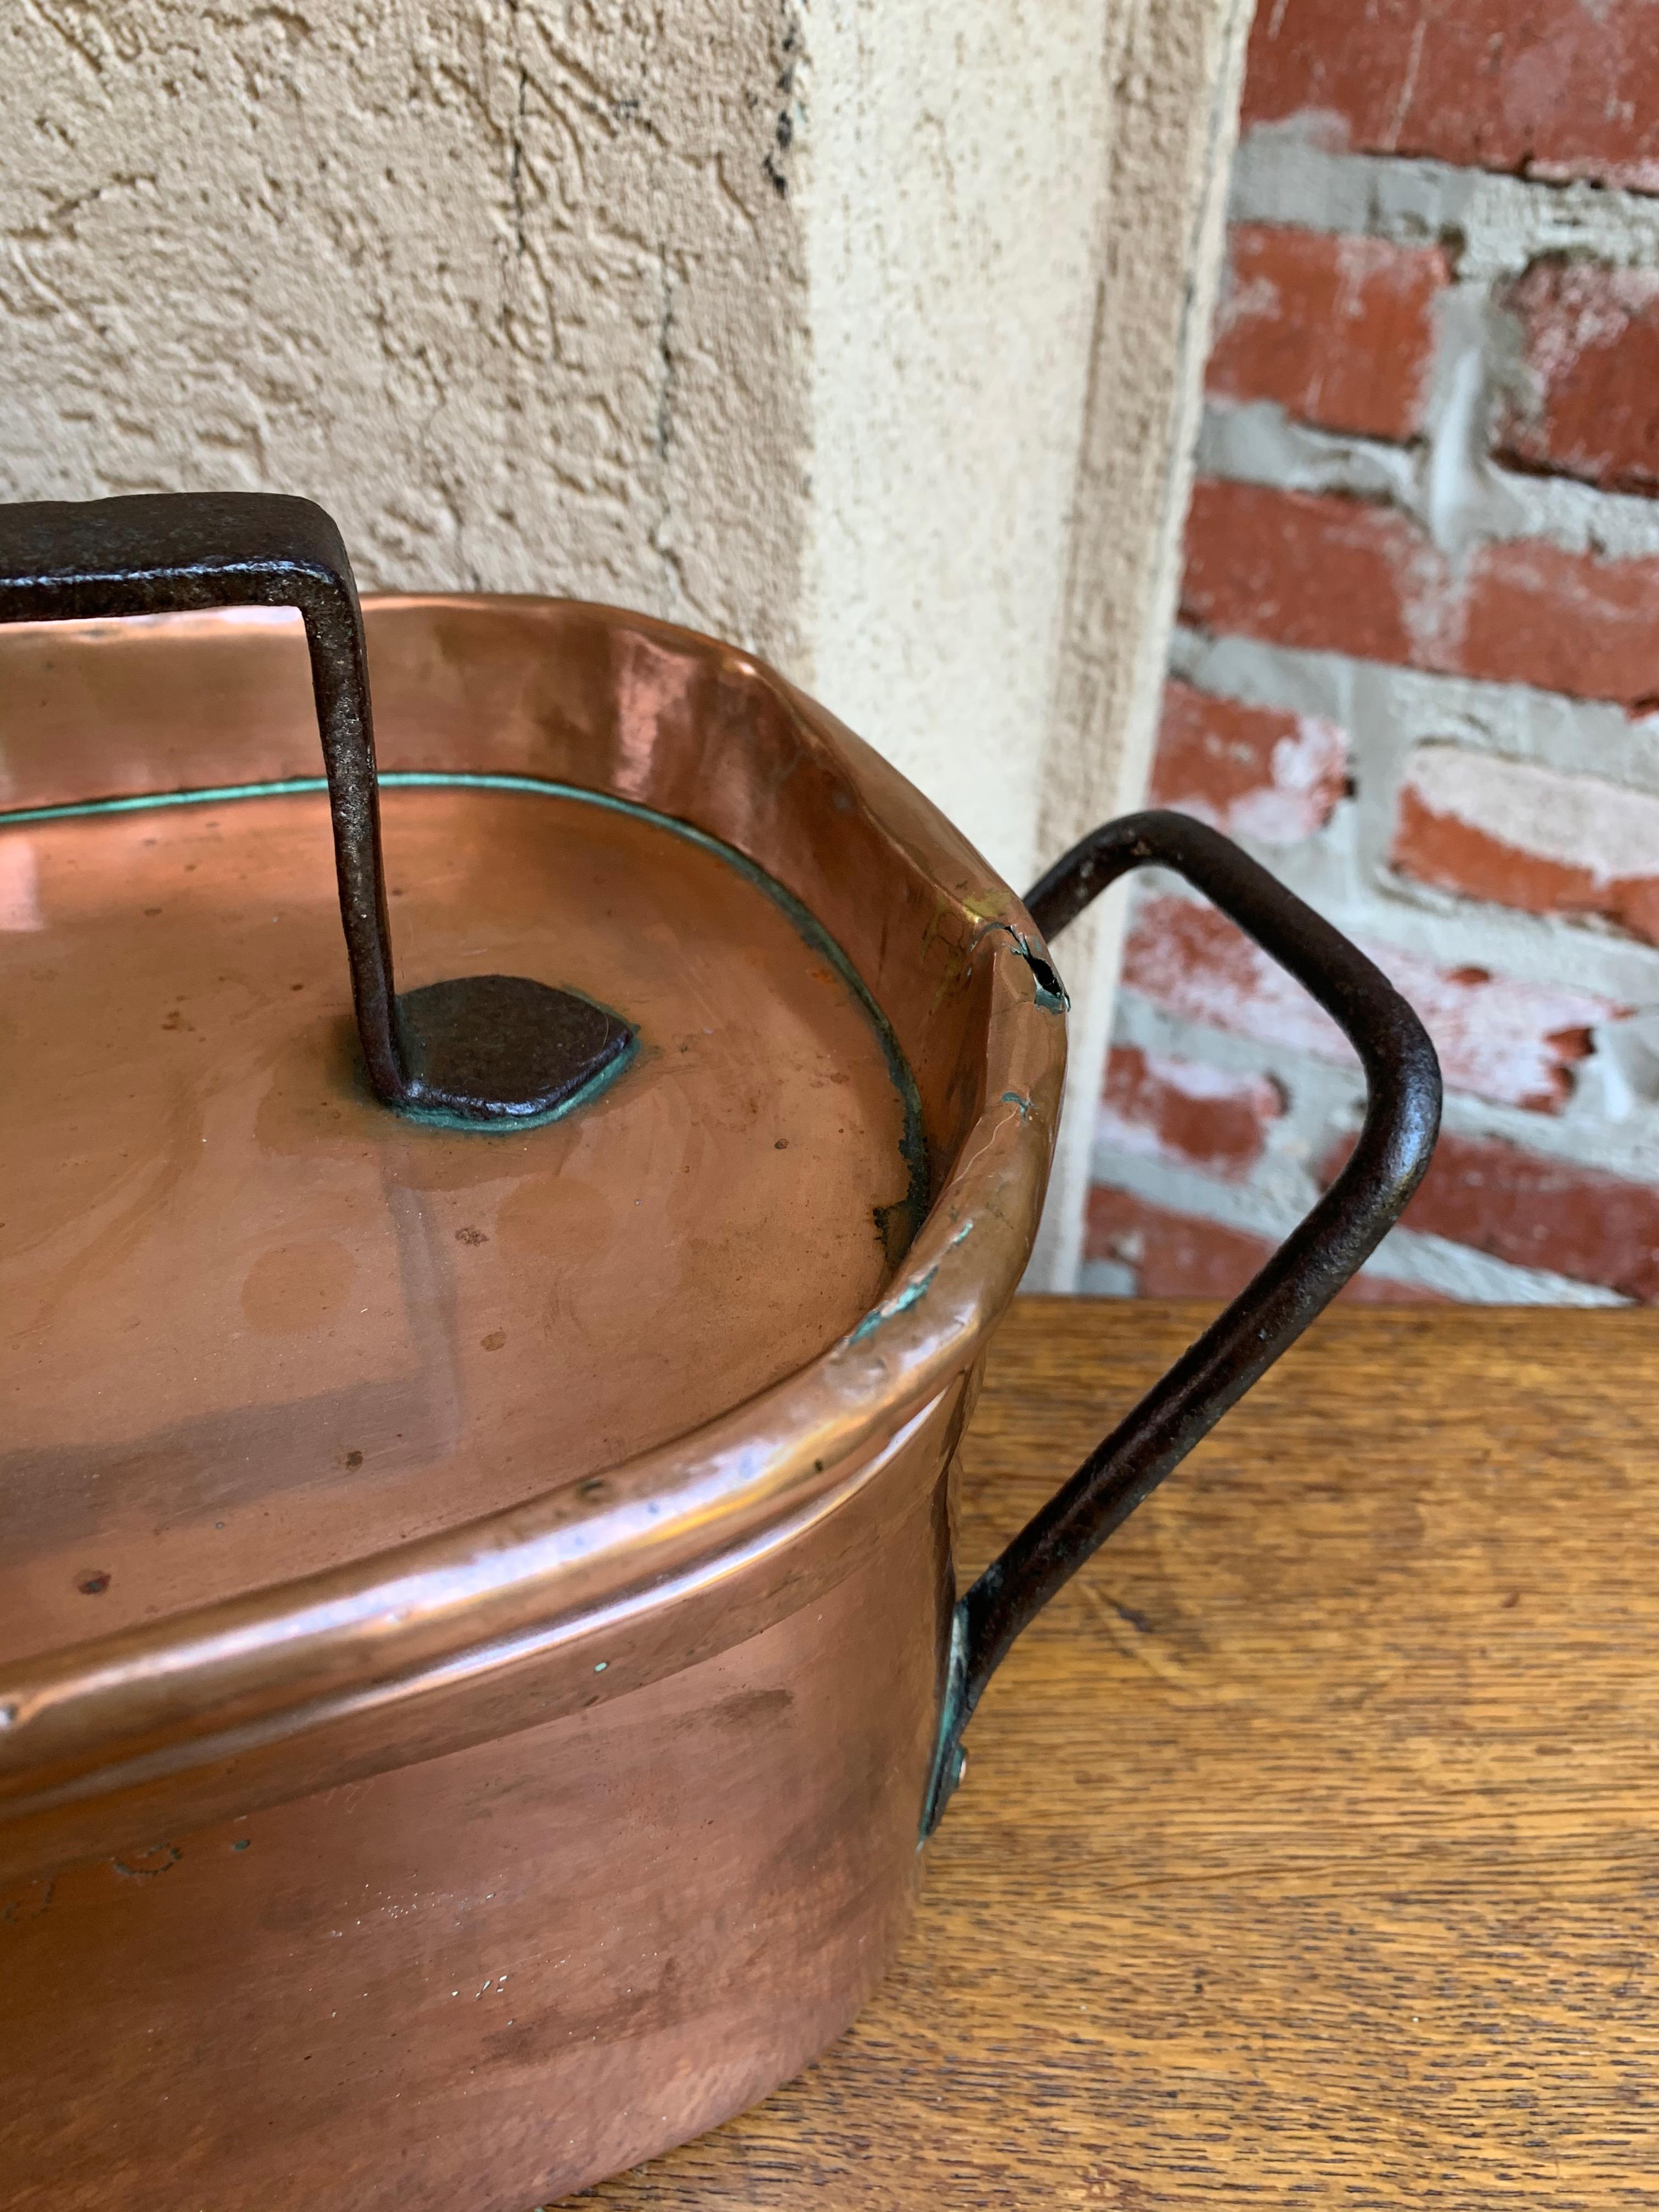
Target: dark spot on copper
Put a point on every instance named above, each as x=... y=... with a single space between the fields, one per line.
x=162 y=1856
x=752 y=1707
x=495 y=1341
x=470 y=1237
x=93 y=1581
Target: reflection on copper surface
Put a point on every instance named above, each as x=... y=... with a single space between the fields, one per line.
x=525 y=1552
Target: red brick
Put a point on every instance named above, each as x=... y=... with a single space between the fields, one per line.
x=1186 y=1112
x=1530 y=837
x=1565 y=622
x=1536 y=1213
x=1592 y=348
x=1339 y=330
x=1173 y=1255
x=1182 y=1256
x=1253 y=771
x=1546 y=87
x=1334 y=575
x=1339 y=575
x=1497 y=1037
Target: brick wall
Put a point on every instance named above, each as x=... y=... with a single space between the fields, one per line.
x=1417 y=670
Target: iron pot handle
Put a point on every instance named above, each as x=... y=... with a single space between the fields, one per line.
x=1402 y=1118
x=476 y=1051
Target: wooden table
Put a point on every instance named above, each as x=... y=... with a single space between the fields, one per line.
x=1307 y=1851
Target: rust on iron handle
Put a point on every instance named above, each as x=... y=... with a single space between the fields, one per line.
x=476 y=1051
x=1402 y=1120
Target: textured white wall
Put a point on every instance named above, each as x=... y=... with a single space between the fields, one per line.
x=951 y=260
x=508 y=287
x=862 y=333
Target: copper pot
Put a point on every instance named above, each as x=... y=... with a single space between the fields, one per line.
x=479 y=1648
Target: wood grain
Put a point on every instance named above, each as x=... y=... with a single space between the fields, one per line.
x=1307 y=1849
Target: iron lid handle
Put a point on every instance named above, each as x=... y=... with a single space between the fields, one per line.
x=478 y=1050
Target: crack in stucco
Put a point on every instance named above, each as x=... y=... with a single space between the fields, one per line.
x=667 y=373
x=515 y=134
x=791 y=55
x=79 y=34
x=59 y=220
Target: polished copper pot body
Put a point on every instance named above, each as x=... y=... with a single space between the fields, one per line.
x=480 y=1651
x=486 y=1863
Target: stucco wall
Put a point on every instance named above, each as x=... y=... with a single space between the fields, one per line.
x=862 y=333
x=508 y=288
x=951 y=260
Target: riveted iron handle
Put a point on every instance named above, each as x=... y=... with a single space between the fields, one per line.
x=1402 y=1119
x=480 y=1050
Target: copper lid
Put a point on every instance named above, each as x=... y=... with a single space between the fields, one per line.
x=284 y=1367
